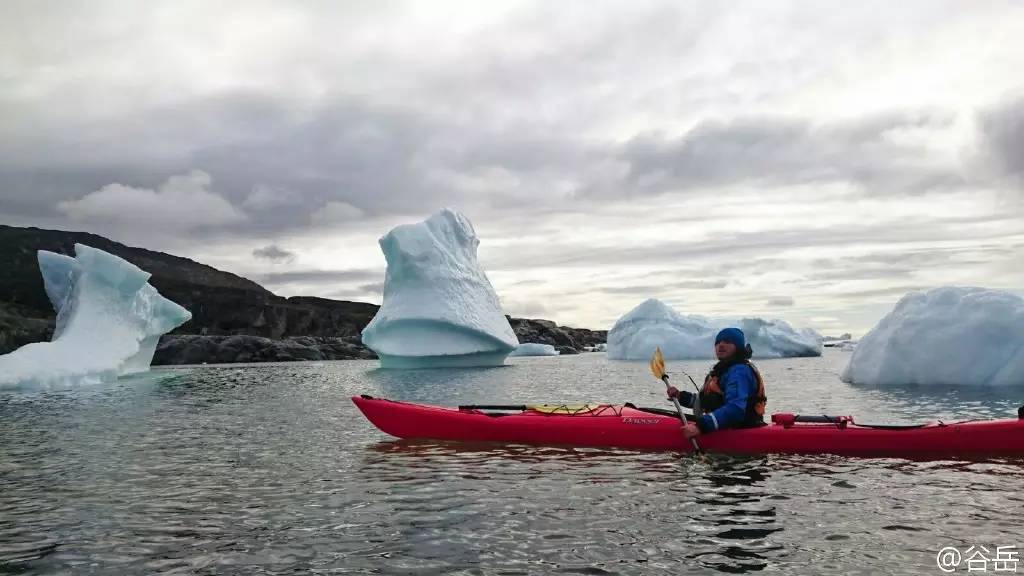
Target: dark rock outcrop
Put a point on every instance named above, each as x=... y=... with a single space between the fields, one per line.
x=586 y=338
x=180 y=279
x=18 y=328
x=233 y=319
x=561 y=337
x=199 y=349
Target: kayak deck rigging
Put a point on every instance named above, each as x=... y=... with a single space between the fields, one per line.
x=616 y=410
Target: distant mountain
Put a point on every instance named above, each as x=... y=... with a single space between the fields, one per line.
x=233 y=318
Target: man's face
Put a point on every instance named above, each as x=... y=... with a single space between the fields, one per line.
x=724 y=349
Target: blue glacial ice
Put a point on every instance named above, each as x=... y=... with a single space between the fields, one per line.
x=653 y=323
x=439 y=307
x=534 y=349
x=109 y=320
x=948 y=336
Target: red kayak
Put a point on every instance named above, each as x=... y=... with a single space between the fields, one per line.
x=626 y=426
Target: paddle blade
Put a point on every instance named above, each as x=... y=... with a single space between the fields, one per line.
x=658 y=364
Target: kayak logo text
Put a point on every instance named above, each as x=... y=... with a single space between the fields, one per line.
x=631 y=420
x=978 y=559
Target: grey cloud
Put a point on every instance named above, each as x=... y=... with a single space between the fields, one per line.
x=527 y=283
x=780 y=301
x=880 y=292
x=344 y=150
x=904 y=264
x=1002 y=129
x=862 y=273
x=372 y=288
x=743 y=251
x=787 y=151
x=274 y=253
x=667 y=286
x=280 y=163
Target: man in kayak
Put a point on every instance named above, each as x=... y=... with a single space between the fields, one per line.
x=733 y=392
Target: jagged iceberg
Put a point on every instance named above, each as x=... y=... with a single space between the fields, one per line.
x=534 y=349
x=109 y=320
x=439 y=307
x=653 y=323
x=946 y=336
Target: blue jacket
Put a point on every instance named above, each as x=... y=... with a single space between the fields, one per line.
x=738 y=384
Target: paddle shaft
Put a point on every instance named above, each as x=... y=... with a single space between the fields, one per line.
x=682 y=416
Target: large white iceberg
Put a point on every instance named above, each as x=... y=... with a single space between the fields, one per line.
x=653 y=323
x=439 y=307
x=534 y=349
x=947 y=336
x=109 y=320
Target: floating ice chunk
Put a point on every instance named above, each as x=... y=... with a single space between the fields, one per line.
x=534 y=349
x=653 y=323
x=774 y=338
x=108 y=322
x=947 y=336
x=439 y=307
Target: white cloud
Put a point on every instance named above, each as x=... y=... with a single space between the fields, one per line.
x=181 y=203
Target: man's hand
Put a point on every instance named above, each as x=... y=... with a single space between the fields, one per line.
x=691 y=430
x=673 y=392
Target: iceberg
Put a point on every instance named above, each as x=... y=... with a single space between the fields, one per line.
x=109 y=320
x=653 y=323
x=948 y=336
x=439 y=307
x=534 y=349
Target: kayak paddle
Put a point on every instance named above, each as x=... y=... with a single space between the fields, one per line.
x=658 y=368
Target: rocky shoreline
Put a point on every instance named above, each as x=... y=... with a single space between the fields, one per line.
x=224 y=349
x=199 y=349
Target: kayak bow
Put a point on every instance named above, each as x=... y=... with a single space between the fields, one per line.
x=625 y=426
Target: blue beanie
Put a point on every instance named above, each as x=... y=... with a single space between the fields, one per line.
x=734 y=335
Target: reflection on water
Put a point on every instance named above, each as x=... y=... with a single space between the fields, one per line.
x=969 y=401
x=270 y=469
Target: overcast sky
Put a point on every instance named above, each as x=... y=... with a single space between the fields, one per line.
x=811 y=161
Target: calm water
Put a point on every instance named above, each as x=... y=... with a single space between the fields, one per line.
x=269 y=469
